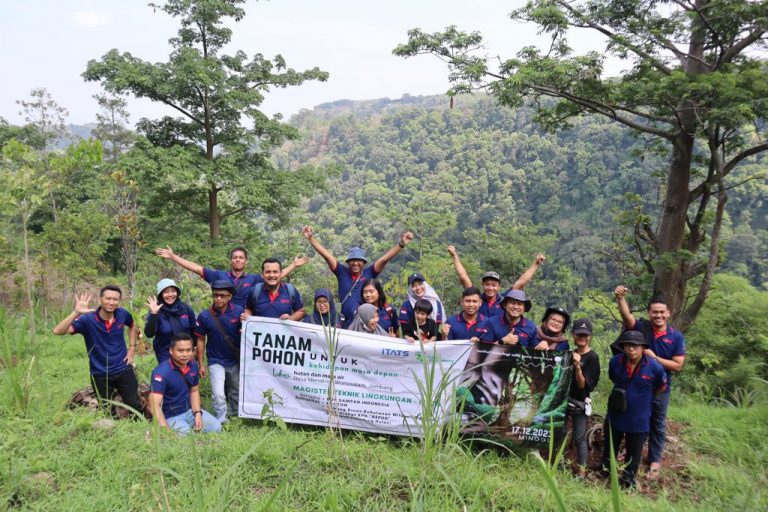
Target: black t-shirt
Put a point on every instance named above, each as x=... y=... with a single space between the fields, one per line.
x=590 y=368
x=428 y=331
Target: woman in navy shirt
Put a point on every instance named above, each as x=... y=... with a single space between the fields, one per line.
x=167 y=317
x=372 y=292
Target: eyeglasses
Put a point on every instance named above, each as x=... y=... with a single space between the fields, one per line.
x=221 y=295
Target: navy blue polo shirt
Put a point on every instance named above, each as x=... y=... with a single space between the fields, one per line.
x=274 y=306
x=407 y=315
x=388 y=318
x=105 y=342
x=173 y=384
x=463 y=330
x=161 y=343
x=350 y=287
x=242 y=284
x=665 y=344
x=217 y=350
x=641 y=386
x=498 y=327
x=488 y=309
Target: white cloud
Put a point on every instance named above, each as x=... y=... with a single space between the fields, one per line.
x=91 y=19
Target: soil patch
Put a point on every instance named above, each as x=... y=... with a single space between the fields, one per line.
x=674 y=473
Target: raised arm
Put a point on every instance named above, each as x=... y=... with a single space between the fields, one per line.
x=298 y=261
x=81 y=307
x=621 y=300
x=528 y=274
x=168 y=254
x=317 y=246
x=150 y=326
x=380 y=263
x=464 y=279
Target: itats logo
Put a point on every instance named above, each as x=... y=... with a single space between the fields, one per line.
x=395 y=353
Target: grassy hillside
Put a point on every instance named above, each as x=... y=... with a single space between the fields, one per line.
x=54 y=458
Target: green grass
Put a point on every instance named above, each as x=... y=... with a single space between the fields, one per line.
x=302 y=468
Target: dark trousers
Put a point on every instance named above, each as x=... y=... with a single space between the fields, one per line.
x=579 y=426
x=633 y=443
x=124 y=383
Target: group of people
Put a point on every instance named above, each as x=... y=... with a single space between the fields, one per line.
x=189 y=347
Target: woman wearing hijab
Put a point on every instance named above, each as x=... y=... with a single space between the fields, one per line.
x=419 y=288
x=551 y=332
x=167 y=317
x=324 y=309
x=367 y=320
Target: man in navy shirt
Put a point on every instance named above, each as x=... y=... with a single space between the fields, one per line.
x=636 y=378
x=512 y=328
x=238 y=260
x=175 y=395
x=220 y=324
x=103 y=330
x=274 y=299
x=491 y=282
x=352 y=275
x=667 y=347
x=469 y=324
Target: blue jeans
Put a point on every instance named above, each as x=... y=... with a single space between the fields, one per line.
x=185 y=422
x=225 y=390
x=658 y=434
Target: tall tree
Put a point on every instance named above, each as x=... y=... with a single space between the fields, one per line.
x=213 y=93
x=122 y=200
x=47 y=117
x=695 y=87
x=23 y=189
x=112 y=125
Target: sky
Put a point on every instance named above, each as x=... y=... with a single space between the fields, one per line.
x=47 y=43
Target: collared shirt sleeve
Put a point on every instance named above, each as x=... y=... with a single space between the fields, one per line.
x=157 y=383
x=79 y=324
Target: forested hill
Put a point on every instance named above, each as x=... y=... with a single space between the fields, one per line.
x=492 y=182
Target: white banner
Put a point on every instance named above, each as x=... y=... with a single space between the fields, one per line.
x=375 y=377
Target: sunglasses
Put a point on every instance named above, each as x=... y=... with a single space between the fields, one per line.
x=221 y=295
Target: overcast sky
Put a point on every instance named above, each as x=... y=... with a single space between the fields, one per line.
x=47 y=43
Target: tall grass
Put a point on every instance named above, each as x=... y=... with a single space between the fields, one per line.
x=439 y=420
x=19 y=366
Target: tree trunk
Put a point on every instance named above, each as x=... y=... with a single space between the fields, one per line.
x=671 y=268
x=28 y=279
x=214 y=221
x=668 y=278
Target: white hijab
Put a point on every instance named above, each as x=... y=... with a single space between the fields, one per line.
x=431 y=295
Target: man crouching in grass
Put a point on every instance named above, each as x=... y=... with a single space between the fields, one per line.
x=175 y=396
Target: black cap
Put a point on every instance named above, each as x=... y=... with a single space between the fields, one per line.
x=223 y=284
x=632 y=338
x=415 y=277
x=582 y=326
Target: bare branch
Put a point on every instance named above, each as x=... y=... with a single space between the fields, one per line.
x=737 y=48
x=733 y=162
x=661 y=66
x=604 y=109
